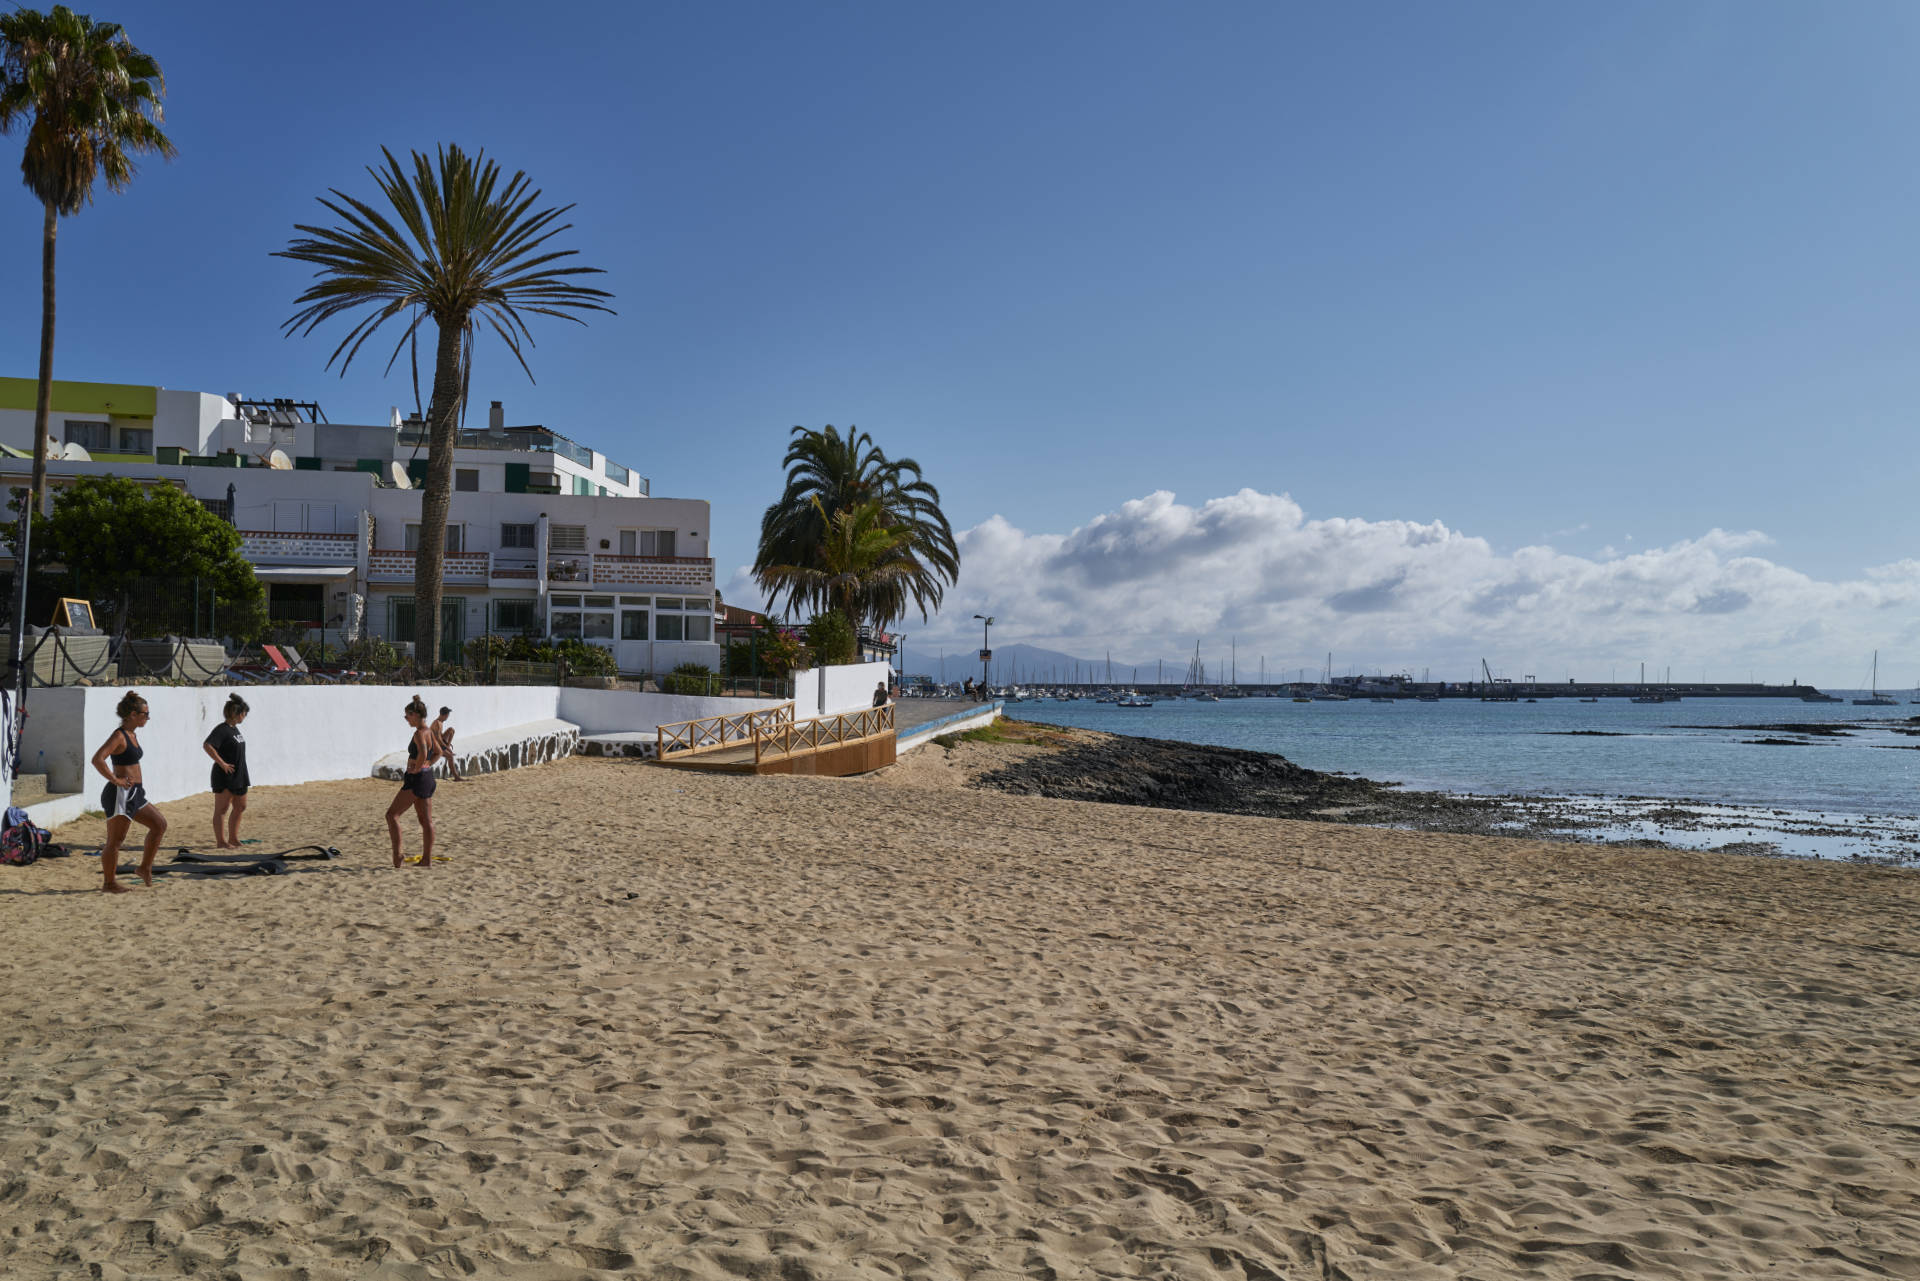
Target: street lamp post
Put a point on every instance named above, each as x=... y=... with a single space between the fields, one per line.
x=986 y=650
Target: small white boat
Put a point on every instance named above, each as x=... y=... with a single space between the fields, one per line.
x=1135 y=700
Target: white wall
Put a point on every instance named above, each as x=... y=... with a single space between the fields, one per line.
x=295 y=734
x=303 y=733
x=829 y=691
x=614 y=711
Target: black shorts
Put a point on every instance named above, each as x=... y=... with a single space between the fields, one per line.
x=234 y=784
x=421 y=784
x=122 y=802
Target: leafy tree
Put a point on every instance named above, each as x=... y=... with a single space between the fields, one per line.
x=829 y=474
x=458 y=246
x=93 y=102
x=115 y=537
x=831 y=638
x=857 y=560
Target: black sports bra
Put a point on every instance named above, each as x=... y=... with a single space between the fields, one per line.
x=133 y=753
x=413 y=748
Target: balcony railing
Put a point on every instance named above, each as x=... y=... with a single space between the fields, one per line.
x=278 y=548
x=578 y=569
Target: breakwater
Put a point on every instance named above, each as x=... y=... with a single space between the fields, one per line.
x=1476 y=690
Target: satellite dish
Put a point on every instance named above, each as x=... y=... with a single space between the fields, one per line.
x=75 y=453
x=278 y=460
x=401 y=480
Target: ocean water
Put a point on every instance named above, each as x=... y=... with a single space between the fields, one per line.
x=1698 y=750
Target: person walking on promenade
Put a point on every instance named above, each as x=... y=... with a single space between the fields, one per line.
x=124 y=800
x=444 y=733
x=416 y=789
x=228 y=748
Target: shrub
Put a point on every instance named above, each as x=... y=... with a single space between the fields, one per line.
x=371 y=654
x=484 y=651
x=689 y=678
x=831 y=638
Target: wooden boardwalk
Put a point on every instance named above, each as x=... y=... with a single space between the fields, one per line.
x=772 y=742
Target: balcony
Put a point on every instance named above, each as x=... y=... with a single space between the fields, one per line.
x=267 y=547
x=579 y=570
x=386 y=566
x=627 y=572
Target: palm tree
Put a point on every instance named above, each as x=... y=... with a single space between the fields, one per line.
x=859 y=557
x=829 y=474
x=93 y=100
x=460 y=246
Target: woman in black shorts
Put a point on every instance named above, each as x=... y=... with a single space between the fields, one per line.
x=123 y=799
x=228 y=748
x=416 y=789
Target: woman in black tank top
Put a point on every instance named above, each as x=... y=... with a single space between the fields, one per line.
x=124 y=800
x=416 y=789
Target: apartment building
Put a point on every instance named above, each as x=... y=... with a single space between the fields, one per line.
x=538 y=542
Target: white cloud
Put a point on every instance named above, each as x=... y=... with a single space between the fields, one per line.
x=1154 y=575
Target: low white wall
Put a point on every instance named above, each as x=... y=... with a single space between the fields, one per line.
x=616 y=711
x=828 y=691
x=295 y=733
x=50 y=743
x=303 y=733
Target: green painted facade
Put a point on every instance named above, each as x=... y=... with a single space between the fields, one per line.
x=121 y=400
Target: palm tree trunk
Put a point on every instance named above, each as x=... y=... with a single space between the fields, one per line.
x=443 y=417
x=43 y=404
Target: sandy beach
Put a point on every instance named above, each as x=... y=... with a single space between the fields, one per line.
x=649 y=1022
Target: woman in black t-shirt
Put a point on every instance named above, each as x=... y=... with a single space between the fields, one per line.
x=228 y=748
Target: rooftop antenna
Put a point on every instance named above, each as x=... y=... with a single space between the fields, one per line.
x=398 y=470
x=278 y=460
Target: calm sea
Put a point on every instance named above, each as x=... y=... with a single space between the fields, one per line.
x=1699 y=749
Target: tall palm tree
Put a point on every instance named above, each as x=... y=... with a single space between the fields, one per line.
x=93 y=103
x=859 y=556
x=828 y=474
x=458 y=246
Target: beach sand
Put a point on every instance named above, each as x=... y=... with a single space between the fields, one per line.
x=649 y=1022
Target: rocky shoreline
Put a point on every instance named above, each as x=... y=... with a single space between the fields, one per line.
x=1087 y=765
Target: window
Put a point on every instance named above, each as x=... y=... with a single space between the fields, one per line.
x=590 y=618
x=400 y=618
x=517 y=536
x=453 y=537
x=646 y=542
x=615 y=472
x=92 y=437
x=466 y=480
x=667 y=626
x=699 y=627
x=513 y=617
x=219 y=507
x=633 y=624
x=567 y=538
x=667 y=602
x=582 y=486
x=136 y=440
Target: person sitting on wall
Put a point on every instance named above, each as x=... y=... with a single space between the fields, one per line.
x=444 y=732
x=880 y=694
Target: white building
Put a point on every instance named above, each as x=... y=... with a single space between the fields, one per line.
x=332 y=536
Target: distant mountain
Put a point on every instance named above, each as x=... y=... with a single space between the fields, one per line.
x=1033 y=663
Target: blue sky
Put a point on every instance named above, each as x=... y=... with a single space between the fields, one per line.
x=1597 y=279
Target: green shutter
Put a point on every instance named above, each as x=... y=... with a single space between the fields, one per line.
x=417 y=471
x=518 y=474
x=304 y=463
x=399 y=618
x=374 y=465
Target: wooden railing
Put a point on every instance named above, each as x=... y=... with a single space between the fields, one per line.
x=713 y=733
x=795 y=737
